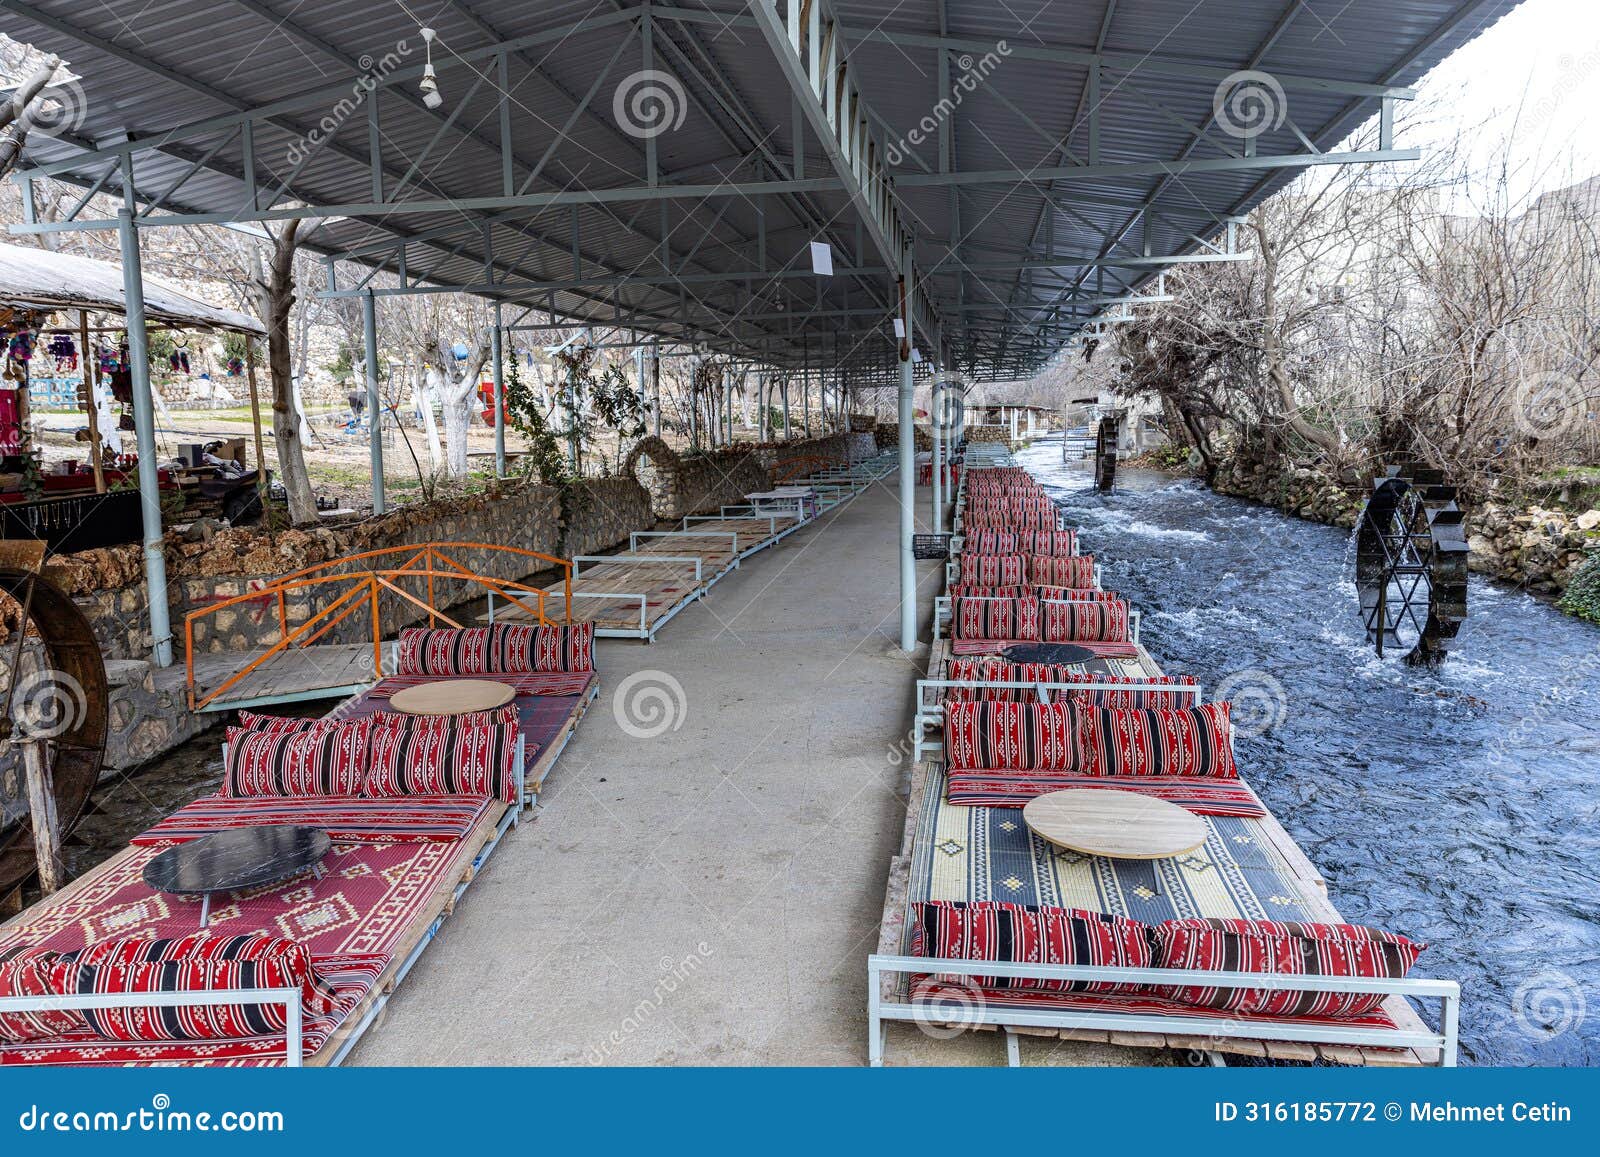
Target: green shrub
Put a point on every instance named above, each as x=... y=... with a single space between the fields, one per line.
x=1582 y=597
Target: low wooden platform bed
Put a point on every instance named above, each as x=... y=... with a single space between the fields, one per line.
x=110 y=971
x=1232 y=947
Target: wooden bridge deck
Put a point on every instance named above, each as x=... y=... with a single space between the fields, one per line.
x=321 y=671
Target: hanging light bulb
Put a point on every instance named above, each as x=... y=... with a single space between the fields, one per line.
x=429 y=84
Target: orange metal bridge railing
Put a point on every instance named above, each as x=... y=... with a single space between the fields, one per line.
x=362 y=585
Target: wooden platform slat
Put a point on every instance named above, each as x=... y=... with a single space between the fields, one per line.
x=320 y=671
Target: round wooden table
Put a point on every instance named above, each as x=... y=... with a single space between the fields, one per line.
x=1120 y=825
x=453 y=697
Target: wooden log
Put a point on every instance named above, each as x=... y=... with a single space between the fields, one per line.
x=42 y=807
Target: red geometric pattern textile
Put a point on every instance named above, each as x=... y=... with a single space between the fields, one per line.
x=192 y=964
x=1084 y=620
x=1056 y=543
x=1003 y=787
x=569 y=648
x=1018 y=520
x=974 y=591
x=555 y=683
x=1022 y=934
x=317 y=761
x=368 y=898
x=993 y=570
x=1074 y=594
x=1072 y=570
x=1284 y=949
x=990 y=542
x=351 y=977
x=280 y=724
x=960 y=646
x=438 y=755
x=1026 y=736
x=1193 y=741
x=25 y=971
x=1111 y=696
x=930 y=992
x=983 y=618
x=416 y=817
x=506 y=714
x=976 y=670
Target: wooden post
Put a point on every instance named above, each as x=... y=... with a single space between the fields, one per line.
x=90 y=367
x=42 y=805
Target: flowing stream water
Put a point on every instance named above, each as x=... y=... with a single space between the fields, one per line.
x=1459 y=806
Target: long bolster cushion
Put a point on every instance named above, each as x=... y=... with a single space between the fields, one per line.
x=501 y=649
x=251 y=721
x=1017 y=933
x=982 y=618
x=993 y=570
x=1282 y=948
x=25 y=972
x=440 y=755
x=991 y=542
x=1023 y=934
x=992 y=669
x=1194 y=741
x=316 y=761
x=1073 y=570
x=1017 y=735
x=198 y=963
x=1058 y=543
x=1086 y=620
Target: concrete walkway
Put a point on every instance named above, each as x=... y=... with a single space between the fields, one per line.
x=708 y=894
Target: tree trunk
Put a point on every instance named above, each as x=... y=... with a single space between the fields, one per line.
x=457 y=403
x=279 y=296
x=1272 y=349
x=429 y=384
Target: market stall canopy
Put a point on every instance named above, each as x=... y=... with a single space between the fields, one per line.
x=33 y=278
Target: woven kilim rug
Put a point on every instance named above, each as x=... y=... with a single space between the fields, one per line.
x=367 y=899
x=988 y=853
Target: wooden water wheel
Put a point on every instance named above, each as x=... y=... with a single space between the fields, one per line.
x=1411 y=564
x=56 y=691
x=1105 y=453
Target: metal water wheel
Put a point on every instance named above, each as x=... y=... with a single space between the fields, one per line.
x=1411 y=564
x=57 y=700
x=1105 y=453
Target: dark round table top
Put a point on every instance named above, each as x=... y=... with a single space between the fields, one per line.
x=238 y=858
x=1047 y=653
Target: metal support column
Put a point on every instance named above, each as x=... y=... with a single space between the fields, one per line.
x=144 y=425
x=497 y=345
x=935 y=421
x=369 y=334
x=655 y=385
x=908 y=468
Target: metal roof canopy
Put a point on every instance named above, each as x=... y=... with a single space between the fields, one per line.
x=39 y=279
x=1046 y=164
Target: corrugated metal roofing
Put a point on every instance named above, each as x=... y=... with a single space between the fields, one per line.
x=152 y=66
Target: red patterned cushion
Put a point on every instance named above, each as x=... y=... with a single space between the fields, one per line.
x=1090 y=620
x=1074 y=570
x=981 y=669
x=439 y=755
x=569 y=648
x=1022 y=934
x=974 y=591
x=1195 y=741
x=506 y=714
x=316 y=761
x=501 y=649
x=1285 y=949
x=1025 y=736
x=1163 y=700
x=983 y=618
x=25 y=971
x=993 y=570
x=1049 y=542
x=990 y=542
x=280 y=724
x=201 y=962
